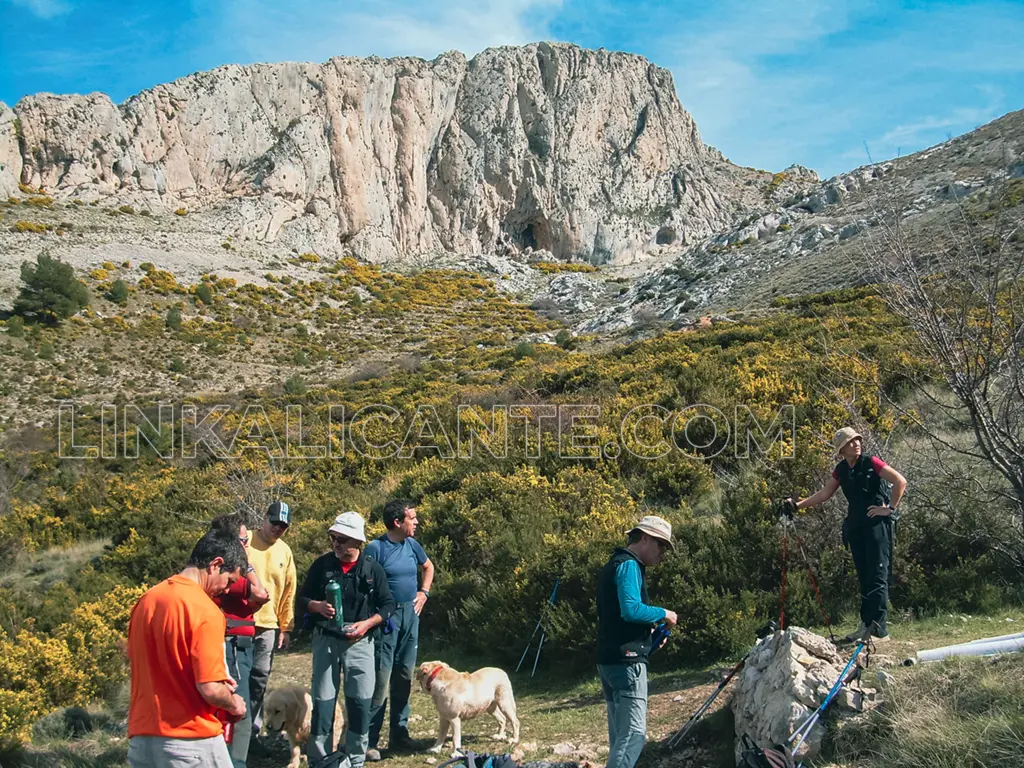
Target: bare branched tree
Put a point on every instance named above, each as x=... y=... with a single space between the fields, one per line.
x=959 y=286
x=252 y=486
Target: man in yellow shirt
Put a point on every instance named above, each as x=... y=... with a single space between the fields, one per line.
x=274 y=565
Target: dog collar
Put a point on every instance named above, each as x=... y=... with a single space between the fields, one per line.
x=432 y=675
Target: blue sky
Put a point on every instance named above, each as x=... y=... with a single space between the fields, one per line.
x=769 y=83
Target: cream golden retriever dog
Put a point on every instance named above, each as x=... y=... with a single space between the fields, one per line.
x=290 y=710
x=461 y=696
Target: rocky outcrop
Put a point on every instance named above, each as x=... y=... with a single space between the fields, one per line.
x=587 y=154
x=785 y=679
x=10 y=154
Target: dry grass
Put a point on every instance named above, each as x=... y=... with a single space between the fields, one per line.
x=961 y=712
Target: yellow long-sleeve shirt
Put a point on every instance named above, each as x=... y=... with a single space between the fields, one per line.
x=276 y=568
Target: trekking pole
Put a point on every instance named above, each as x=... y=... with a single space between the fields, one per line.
x=677 y=738
x=679 y=735
x=802 y=732
x=810 y=575
x=817 y=590
x=536 y=629
x=536 y=658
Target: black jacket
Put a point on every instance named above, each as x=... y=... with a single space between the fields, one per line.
x=364 y=589
x=619 y=641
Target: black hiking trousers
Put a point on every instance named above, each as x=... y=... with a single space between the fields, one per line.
x=871 y=548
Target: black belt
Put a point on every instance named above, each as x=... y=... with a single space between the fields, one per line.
x=236 y=623
x=332 y=632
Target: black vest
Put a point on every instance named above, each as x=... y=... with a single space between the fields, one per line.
x=863 y=488
x=619 y=642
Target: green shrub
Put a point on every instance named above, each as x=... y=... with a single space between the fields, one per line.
x=118 y=292
x=50 y=291
x=16 y=327
x=523 y=349
x=177 y=365
x=295 y=385
x=127 y=209
x=173 y=319
x=204 y=293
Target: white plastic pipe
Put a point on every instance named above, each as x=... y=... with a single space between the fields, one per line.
x=993 y=639
x=990 y=648
x=980 y=641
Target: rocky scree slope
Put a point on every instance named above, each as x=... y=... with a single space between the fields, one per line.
x=809 y=236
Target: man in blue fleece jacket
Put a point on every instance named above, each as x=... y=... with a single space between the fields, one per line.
x=625 y=622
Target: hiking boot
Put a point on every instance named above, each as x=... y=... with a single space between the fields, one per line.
x=878 y=639
x=373 y=755
x=857 y=634
x=402 y=742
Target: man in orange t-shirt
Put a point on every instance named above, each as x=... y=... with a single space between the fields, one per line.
x=178 y=677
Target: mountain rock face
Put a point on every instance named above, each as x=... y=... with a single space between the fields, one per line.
x=587 y=154
x=10 y=155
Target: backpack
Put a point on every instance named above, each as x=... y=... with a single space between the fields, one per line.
x=337 y=759
x=755 y=757
x=473 y=760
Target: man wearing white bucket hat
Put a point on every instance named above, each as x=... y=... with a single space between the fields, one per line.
x=344 y=643
x=625 y=623
x=867 y=530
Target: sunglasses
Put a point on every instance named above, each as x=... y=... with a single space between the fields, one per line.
x=243 y=539
x=339 y=539
x=278 y=524
x=663 y=546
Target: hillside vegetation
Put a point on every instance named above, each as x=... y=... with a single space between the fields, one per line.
x=501 y=526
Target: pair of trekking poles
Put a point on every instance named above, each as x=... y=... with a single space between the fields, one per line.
x=539 y=628
x=800 y=735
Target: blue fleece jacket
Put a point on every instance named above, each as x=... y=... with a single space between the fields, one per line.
x=627 y=584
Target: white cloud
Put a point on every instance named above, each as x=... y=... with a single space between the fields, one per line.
x=265 y=30
x=914 y=135
x=734 y=71
x=911 y=133
x=45 y=9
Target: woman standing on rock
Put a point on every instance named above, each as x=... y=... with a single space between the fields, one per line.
x=867 y=530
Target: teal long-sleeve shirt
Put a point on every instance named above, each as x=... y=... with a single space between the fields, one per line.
x=627 y=585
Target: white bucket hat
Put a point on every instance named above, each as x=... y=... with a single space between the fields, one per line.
x=843 y=436
x=349 y=524
x=657 y=527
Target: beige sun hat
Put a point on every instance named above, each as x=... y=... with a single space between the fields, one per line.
x=843 y=436
x=349 y=524
x=657 y=527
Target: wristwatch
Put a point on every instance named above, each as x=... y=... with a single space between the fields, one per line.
x=425 y=592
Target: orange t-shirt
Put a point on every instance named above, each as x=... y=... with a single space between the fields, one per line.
x=175 y=640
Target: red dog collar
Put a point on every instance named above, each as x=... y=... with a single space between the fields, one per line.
x=432 y=675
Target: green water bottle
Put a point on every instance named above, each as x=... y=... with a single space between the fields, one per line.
x=333 y=597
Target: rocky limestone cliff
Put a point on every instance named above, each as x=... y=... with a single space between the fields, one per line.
x=10 y=155
x=587 y=154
